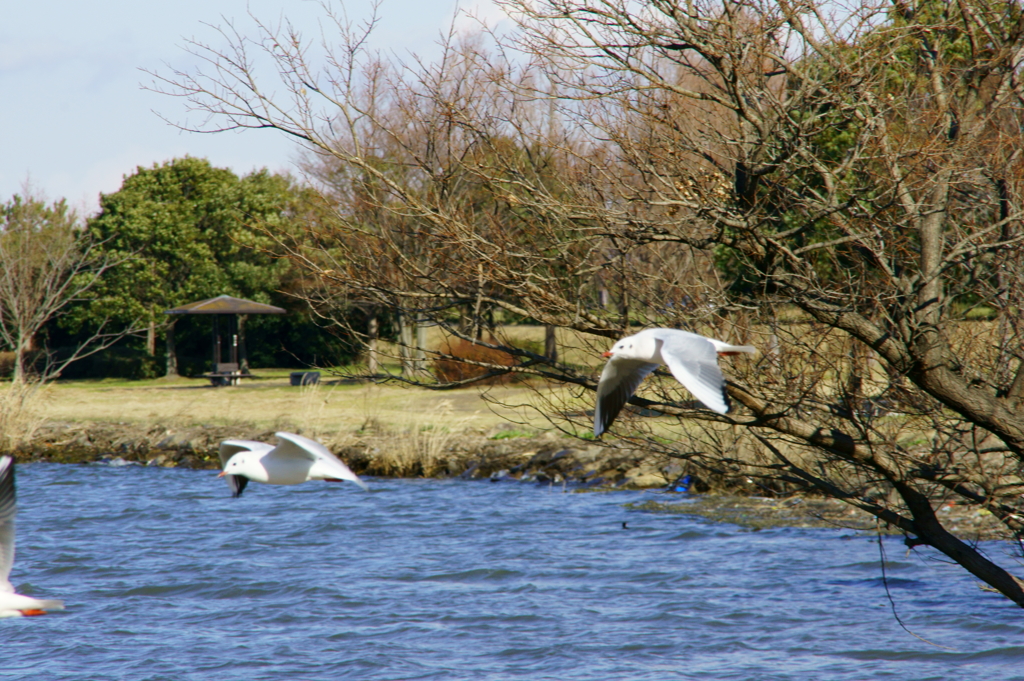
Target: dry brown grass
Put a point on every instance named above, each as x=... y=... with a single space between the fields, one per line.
x=21 y=413
x=332 y=409
x=421 y=448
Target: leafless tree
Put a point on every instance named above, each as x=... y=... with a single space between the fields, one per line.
x=840 y=185
x=47 y=262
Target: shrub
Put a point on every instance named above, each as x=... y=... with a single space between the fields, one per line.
x=20 y=415
x=115 y=362
x=448 y=370
x=6 y=364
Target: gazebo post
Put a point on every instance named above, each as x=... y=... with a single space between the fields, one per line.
x=216 y=343
x=243 y=357
x=233 y=330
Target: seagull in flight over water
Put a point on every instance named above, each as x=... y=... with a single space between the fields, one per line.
x=14 y=604
x=294 y=460
x=692 y=359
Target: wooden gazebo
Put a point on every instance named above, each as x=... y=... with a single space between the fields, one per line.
x=225 y=311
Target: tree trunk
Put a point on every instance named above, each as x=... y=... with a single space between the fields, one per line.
x=930 y=531
x=172 y=357
x=420 y=355
x=478 y=321
x=773 y=352
x=405 y=338
x=151 y=338
x=372 y=332
x=24 y=351
x=623 y=304
x=243 y=356
x=550 y=343
x=465 y=325
x=19 y=364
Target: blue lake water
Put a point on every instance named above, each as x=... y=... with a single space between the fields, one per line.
x=167 y=577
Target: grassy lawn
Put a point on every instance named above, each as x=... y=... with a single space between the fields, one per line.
x=336 y=406
x=269 y=401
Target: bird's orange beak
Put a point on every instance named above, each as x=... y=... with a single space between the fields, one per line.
x=606 y=354
x=222 y=474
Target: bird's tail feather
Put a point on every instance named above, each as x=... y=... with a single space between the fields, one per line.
x=724 y=349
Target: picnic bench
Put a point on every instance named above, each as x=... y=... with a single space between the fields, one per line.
x=226 y=373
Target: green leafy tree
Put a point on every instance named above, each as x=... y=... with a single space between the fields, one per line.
x=183 y=231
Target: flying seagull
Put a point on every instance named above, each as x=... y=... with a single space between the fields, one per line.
x=692 y=359
x=14 y=604
x=295 y=459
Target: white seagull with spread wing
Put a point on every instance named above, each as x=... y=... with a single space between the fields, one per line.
x=294 y=460
x=692 y=359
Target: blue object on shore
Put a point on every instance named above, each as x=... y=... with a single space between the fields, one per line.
x=682 y=484
x=304 y=377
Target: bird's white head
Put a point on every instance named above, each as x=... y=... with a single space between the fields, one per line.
x=246 y=464
x=630 y=347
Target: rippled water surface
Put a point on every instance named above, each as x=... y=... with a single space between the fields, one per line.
x=167 y=577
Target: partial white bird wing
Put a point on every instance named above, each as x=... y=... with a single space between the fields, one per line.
x=292 y=446
x=8 y=510
x=693 y=360
x=619 y=381
x=325 y=462
x=228 y=448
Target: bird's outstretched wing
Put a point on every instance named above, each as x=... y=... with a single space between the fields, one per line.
x=325 y=462
x=618 y=382
x=693 y=360
x=291 y=445
x=228 y=448
x=8 y=510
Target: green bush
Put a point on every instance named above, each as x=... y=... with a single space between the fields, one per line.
x=6 y=364
x=116 y=362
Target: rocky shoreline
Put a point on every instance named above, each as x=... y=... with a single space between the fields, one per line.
x=475 y=456
x=495 y=456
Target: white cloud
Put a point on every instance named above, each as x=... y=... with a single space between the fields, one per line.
x=472 y=15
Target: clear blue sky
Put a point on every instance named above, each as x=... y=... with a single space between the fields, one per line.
x=74 y=119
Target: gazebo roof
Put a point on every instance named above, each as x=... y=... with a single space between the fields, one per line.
x=225 y=305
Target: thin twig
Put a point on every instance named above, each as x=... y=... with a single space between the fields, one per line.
x=892 y=603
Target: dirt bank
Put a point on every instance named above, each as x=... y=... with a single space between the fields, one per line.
x=499 y=454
